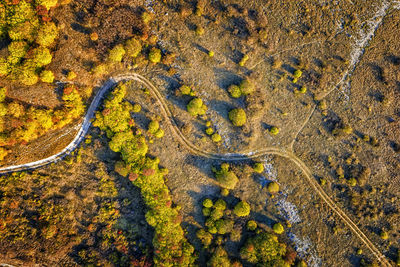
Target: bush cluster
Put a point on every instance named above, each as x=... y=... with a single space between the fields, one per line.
x=245 y=87
x=226 y=178
x=26 y=25
x=196 y=107
x=30 y=122
x=264 y=249
x=171 y=248
x=242 y=209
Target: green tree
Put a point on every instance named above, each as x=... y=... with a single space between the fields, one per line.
x=226 y=178
x=219 y=258
x=258 y=167
x=196 y=107
x=47 y=76
x=278 y=228
x=205 y=237
x=3 y=94
x=273 y=187
x=234 y=91
x=133 y=47
x=264 y=249
x=155 y=55
x=237 y=117
x=247 y=87
x=47 y=33
x=116 y=54
x=242 y=209
x=41 y=56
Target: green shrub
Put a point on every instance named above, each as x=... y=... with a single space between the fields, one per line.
x=207 y=203
x=278 y=228
x=219 y=258
x=27 y=75
x=155 y=55
x=251 y=225
x=224 y=192
x=3 y=67
x=216 y=214
x=226 y=178
x=3 y=109
x=243 y=60
x=242 y=209
x=220 y=204
x=117 y=53
x=136 y=108
x=235 y=236
x=47 y=3
x=212 y=230
x=121 y=168
x=274 y=130
x=209 y=131
x=216 y=138
x=301 y=264
x=133 y=48
x=206 y=212
x=71 y=75
x=234 y=91
x=224 y=226
x=200 y=30
x=273 y=187
x=47 y=76
x=247 y=87
x=47 y=33
x=205 y=237
x=153 y=127
x=264 y=249
x=147 y=17
x=342 y=130
x=352 y=181
x=237 y=117
x=258 y=167
x=159 y=134
x=3 y=94
x=16 y=50
x=303 y=90
x=42 y=56
x=185 y=90
x=3 y=153
x=99 y=70
x=297 y=74
x=196 y=107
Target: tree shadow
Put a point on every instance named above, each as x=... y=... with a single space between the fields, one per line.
x=225 y=78
x=171 y=86
x=131 y=221
x=395 y=60
x=221 y=107
x=200 y=48
x=378 y=72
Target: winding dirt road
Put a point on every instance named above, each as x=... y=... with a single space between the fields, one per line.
x=197 y=151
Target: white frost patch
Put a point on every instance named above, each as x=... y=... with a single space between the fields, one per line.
x=366 y=33
x=396 y=4
x=269 y=170
x=269 y=173
x=305 y=250
x=149 y=4
x=288 y=210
